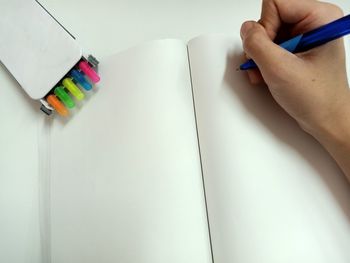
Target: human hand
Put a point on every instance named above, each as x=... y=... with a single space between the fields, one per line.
x=312 y=86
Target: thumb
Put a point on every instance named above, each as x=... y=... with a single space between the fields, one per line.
x=259 y=47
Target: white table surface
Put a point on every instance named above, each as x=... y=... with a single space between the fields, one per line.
x=116 y=24
x=104 y=27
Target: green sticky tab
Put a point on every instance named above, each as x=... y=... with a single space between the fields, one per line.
x=64 y=97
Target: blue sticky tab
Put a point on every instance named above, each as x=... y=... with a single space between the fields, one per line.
x=80 y=79
x=292 y=44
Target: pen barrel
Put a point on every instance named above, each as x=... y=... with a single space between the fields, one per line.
x=324 y=34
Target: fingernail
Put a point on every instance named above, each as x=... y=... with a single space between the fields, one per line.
x=245 y=28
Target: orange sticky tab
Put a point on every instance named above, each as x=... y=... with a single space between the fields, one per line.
x=57 y=105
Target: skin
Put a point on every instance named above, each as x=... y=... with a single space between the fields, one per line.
x=312 y=87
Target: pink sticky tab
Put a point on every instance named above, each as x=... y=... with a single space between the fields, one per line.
x=85 y=67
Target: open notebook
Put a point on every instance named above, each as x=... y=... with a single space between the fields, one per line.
x=176 y=158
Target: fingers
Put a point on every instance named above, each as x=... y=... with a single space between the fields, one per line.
x=276 y=12
x=305 y=15
x=302 y=16
x=255 y=77
x=258 y=46
x=270 y=18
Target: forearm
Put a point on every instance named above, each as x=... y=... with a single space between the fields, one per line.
x=335 y=137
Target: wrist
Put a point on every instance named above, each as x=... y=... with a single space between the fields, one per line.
x=334 y=128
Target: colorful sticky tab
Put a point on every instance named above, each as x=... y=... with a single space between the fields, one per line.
x=61 y=97
x=80 y=79
x=88 y=71
x=76 y=92
x=64 y=97
x=57 y=105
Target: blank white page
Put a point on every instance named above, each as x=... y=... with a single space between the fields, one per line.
x=20 y=127
x=274 y=194
x=126 y=181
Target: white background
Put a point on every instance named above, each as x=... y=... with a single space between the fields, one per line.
x=104 y=27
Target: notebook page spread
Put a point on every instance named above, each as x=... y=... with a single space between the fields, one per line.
x=126 y=181
x=273 y=193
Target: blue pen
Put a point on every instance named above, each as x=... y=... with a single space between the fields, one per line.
x=312 y=39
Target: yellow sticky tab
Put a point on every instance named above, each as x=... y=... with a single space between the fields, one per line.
x=76 y=92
